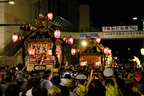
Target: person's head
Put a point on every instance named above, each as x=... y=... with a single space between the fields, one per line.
x=54 y=91
x=12 y=90
x=66 y=82
x=64 y=91
x=31 y=82
x=56 y=80
x=38 y=91
x=81 y=78
x=109 y=82
x=68 y=76
x=129 y=83
x=47 y=75
x=140 y=88
x=81 y=91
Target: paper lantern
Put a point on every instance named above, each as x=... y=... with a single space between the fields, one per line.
x=15 y=38
x=57 y=33
x=109 y=52
x=31 y=51
x=70 y=40
x=73 y=51
x=142 y=51
x=49 y=52
x=98 y=39
x=98 y=64
x=84 y=63
x=105 y=50
x=50 y=16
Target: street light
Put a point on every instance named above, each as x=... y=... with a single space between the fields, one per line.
x=135 y=18
x=84 y=43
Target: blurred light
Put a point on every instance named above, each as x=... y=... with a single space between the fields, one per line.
x=98 y=39
x=57 y=33
x=84 y=43
x=128 y=48
x=105 y=50
x=50 y=16
x=142 y=51
x=135 y=18
x=11 y=2
x=15 y=38
x=73 y=51
x=70 y=40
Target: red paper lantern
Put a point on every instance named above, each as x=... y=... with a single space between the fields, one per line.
x=105 y=50
x=49 y=52
x=73 y=51
x=57 y=33
x=109 y=52
x=70 y=40
x=50 y=16
x=98 y=64
x=98 y=39
x=15 y=38
x=31 y=51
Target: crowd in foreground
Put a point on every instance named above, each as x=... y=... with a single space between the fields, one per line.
x=72 y=81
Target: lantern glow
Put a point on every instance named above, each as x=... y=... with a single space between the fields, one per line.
x=15 y=38
x=49 y=52
x=98 y=64
x=73 y=51
x=50 y=16
x=31 y=52
x=105 y=50
x=70 y=40
x=83 y=63
x=57 y=33
x=98 y=39
x=109 y=52
x=142 y=51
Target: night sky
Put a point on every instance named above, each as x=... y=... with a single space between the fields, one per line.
x=118 y=13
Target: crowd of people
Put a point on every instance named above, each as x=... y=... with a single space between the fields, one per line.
x=72 y=81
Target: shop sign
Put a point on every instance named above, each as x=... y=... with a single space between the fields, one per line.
x=113 y=34
x=89 y=34
x=120 y=28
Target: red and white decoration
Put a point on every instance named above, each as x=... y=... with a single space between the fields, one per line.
x=50 y=16
x=105 y=50
x=31 y=51
x=109 y=52
x=15 y=38
x=84 y=63
x=98 y=64
x=49 y=52
x=73 y=51
x=98 y=39
x=57 y=34
x=70 y=40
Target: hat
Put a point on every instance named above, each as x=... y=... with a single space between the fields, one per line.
x=108 y=72
x=66 y=82
x=56 y=70
x=82 y=90
x=81 y=76
x=54 y=91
